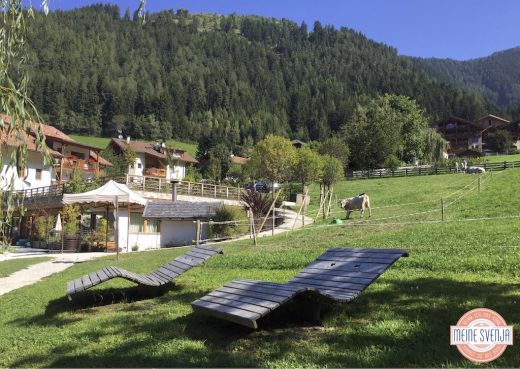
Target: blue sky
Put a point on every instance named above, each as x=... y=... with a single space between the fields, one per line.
x=458 y=29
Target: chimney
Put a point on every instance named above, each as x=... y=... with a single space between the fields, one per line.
x=174 y=189
x=127 y=139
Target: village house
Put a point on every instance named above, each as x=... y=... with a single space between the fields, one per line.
x=466 y=136
x=152 y=159
x=66 y=154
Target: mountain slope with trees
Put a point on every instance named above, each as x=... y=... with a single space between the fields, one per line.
x=227 y=79
x=496 y=77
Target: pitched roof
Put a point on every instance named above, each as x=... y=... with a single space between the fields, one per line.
x=148 y=148
x=51 y=132
x=238 y=159
x=102 y=160
x=180 y=210
x=30 y=140
x=491 y=116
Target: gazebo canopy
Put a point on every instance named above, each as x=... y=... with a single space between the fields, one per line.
x=106 y=194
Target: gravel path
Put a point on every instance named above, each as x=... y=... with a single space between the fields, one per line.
x=37 y=272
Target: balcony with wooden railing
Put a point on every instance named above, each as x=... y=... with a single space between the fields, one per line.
x=79 y=164
x=155 y=172
x=163 y=185
x=51 y=196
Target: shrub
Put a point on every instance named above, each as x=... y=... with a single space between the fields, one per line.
x=226 y=214
x=43 y=225
x=392 y=162
x=258 y=202
x=135 y=248
x=71 y=215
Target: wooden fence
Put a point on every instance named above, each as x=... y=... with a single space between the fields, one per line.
x=425 y=170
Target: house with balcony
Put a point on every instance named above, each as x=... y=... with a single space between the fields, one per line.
x=467 y=137
x=66 y=154
x=154 y=160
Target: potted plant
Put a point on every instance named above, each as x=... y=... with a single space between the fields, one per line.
x=43 y=225
x=71 y=216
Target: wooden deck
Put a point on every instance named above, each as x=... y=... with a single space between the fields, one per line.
x=163 y=275
x=338 y=275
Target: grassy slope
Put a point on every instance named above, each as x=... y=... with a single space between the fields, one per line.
x=402 y=320
x=8 y=267
x=102 y=142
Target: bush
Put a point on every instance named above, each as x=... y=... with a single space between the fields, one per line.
x=135 y=248
x=392 y=162
x=289 y=191
x=227 y=214
x=43 y=225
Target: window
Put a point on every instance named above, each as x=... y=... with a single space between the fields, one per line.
x=38 y=175
x=139 y=165
x=136 y=223
x=140 y=225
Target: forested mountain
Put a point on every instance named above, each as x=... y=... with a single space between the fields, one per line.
x=233 y=78
x=497 y=77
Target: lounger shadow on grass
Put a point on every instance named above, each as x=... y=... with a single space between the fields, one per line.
x=338 y=275
x=147 y=283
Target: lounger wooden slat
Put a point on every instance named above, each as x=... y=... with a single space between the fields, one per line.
x=163 y=275
x=180 y=265
x=189 y=260
x=258 y=288
x=202 y=252
x=338 y=275
x=239 y=316
x=85 y=280
x=251 y=300
x=251 y=293
x=401 y=252
x=196 y=254
x=349 y=266
x=358 y=259
x=353 y=276
x=329 y=283
x=237 y=304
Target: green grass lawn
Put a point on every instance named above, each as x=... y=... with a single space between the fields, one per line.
x=8 y=267
x=402 y=320
x=102 y=142
x=501 y=158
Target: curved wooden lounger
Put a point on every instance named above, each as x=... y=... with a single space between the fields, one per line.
x=163 y=275
x=339 y=275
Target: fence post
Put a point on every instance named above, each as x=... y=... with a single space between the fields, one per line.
x=442 y=209
x=215 y=191
x=160 y=184
x=505 y=165
x=197 y=225
x=479 y=179
x=202 y=189
x=406 y=172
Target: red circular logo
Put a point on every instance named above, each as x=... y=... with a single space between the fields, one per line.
x=481 y=335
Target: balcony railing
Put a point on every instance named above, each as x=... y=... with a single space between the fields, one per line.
x=52 y=195
x=155 y=172
x=163 y=185
x=80 y=164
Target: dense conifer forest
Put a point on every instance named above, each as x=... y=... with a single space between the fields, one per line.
x=231 y=79
x=497 y=77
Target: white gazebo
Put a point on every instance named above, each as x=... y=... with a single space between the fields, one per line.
x=110 y=193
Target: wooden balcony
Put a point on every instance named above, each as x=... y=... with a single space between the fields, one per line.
x=155 y=172
x=79 y=164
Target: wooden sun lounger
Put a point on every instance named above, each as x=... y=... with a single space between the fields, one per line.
x=339 y=275
x=163 y=275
